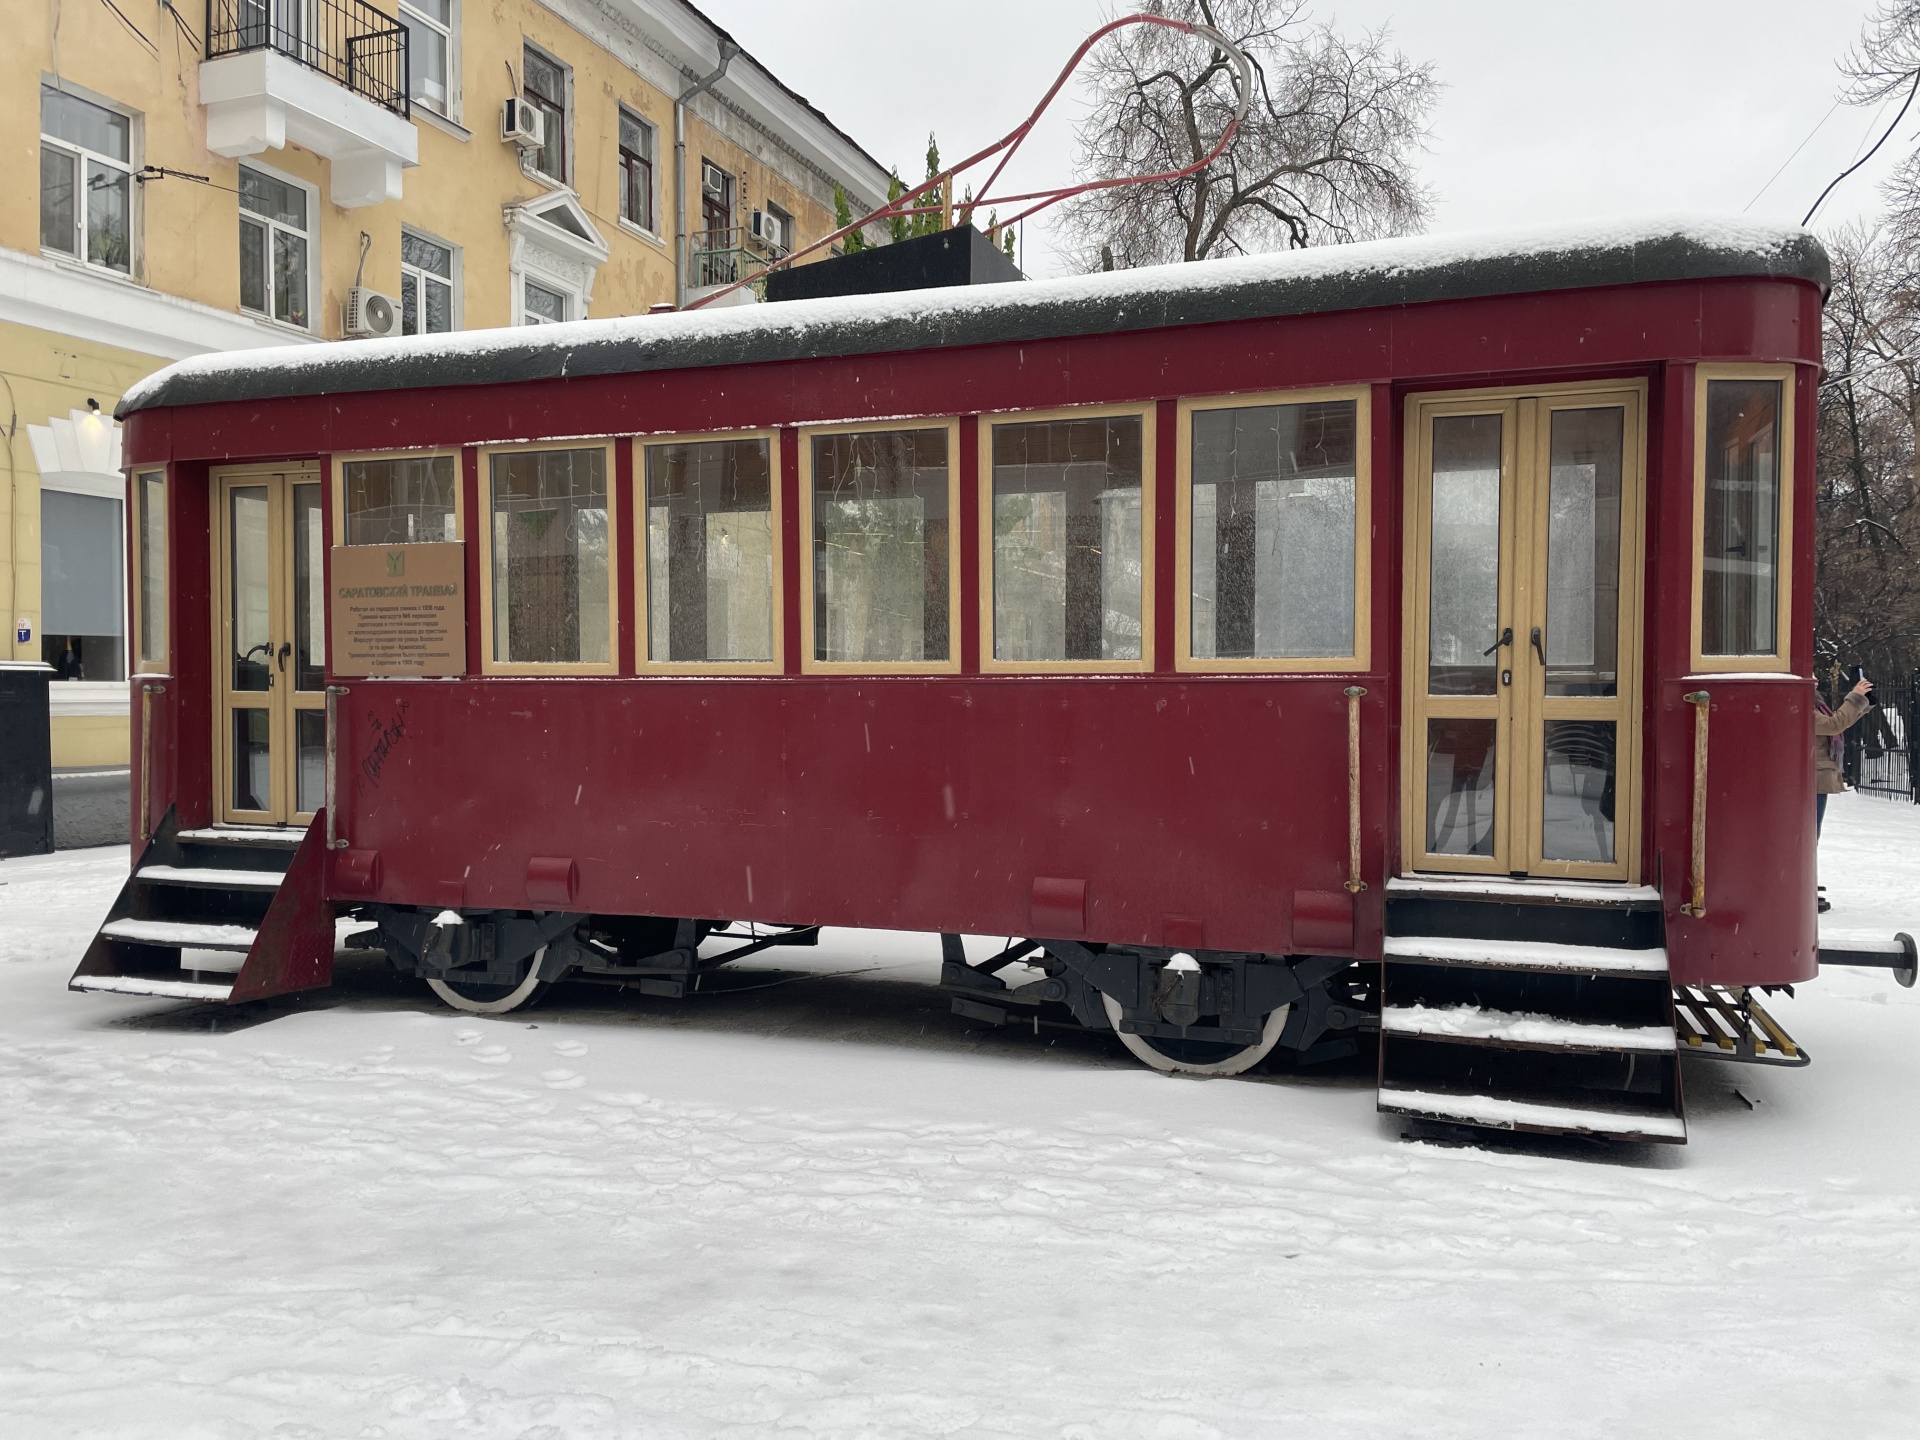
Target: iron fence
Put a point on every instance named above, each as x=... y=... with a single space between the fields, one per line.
x=720 y=257
x=1882 y=752
x=348 y=41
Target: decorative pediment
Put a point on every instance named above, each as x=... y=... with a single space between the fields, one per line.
x=556 y=222
x=79 y=452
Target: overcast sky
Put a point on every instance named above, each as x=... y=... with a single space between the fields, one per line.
x=1551 y=111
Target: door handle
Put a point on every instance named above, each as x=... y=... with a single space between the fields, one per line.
x=1506 y=638
x=1538 y=648
x=286 y=649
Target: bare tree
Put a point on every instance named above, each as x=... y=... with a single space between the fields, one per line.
x=1886 y=63
x=1325 y=153
x=1867 y=500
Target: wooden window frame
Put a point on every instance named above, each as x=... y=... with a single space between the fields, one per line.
x=491 y=666
x=1781 y=661
x=138 y=662
x=1360 y=658
x=644 y=664
x=337 y=465
x=1146 y=413
x=809 y=663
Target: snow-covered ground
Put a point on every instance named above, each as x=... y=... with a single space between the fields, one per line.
x=826 y=1207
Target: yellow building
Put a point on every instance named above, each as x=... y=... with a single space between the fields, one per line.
x=314 y=171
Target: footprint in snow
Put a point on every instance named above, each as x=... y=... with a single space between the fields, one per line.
x=570 y=1048
x=465 y=1037
x=493 y=1055
x=563 y=1079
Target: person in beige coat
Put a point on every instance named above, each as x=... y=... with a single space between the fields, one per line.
x=1827 y=725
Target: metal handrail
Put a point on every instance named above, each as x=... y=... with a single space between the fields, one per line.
x=1354 y=883
x=348 y=41
x=1696 y=905
x=720 y=257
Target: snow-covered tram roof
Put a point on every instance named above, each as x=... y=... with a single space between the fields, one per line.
x=1297 y=282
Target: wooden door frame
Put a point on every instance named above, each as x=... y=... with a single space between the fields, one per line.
x=282 y=706
x=1526 y=441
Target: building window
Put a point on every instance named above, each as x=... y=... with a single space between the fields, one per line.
x=1068 y=560
x=1744 y=433
x=550 y=567
x=430 y=27
x=1272 y=534
x=426 y=285
x=546 y=88
x=150 y=495
x=711 y=567
x=636 y=171
x=83 y=618
x=86 y=180
x=400 y=499
x=880 y=512
x=274 y=244
x=543 y=305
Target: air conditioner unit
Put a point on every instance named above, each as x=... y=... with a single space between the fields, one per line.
x=371 y=313
x=712 y=178
x=522 y=125
x=770 y=229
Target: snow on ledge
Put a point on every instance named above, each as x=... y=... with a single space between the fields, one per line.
x=1471 y=1022
x=1134 y=298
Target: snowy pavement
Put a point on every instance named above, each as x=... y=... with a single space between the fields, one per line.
x=825 y=1207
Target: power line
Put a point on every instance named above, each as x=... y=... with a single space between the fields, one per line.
x=1790 y=159
x=1912 y=90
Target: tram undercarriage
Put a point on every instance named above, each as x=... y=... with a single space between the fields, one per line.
x=1179 y=1012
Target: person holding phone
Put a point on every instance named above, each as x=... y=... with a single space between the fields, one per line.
x=1828 y=726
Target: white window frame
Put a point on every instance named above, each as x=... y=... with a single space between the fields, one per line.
x=569 y=117
x=422 y=277
x=312 y=236
x=652 y=232
x=452 y=32
x=576 y=309
x=131 y=166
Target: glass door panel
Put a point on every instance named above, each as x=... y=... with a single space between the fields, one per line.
x=1522 y=615
x=309 y=670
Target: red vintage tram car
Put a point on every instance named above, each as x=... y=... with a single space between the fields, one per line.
x=1410 y=637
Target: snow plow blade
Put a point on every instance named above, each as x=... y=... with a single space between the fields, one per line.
x=222 y=916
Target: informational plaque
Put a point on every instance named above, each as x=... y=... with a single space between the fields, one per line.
x=399 y=609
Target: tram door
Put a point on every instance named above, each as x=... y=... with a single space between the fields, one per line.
x=270 y=738
x=1524 y=528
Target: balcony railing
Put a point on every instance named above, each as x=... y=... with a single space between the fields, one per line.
x=348 y=41
x=720 y=257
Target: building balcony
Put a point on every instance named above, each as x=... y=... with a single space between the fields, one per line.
x=327 y=75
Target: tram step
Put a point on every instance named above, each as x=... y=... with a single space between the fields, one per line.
x=244 y=836
x=1531 y=1116
x=1528 y=955
x=1722 y=1022
x=196 y=877
x=207 y=903
x=1522 y=1030
x=145 y=985
x=180 y=934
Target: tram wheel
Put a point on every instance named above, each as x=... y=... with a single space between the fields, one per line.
x=1172 y=1056
x=494 y=999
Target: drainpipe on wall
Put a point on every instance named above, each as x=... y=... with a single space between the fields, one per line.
x=727 y=51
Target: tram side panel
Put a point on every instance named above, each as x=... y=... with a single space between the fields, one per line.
x=1202 y=815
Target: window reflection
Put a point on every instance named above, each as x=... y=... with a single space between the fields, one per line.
x=710 y=551
x=1740 y=538
x=550 y=577
x=880 y=531
x=1273 y=531
x=1464 y=585
x=1067 y=573
x=400 y=500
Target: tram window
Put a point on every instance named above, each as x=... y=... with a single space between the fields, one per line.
x=1740 y=518
x=881 y=504
x=151 y=502
x=551 y=602
x=1069 y=573
x=710 y=552
x=400 y=499
x=1273 y=504
x=1464 y=565
x=1583 y=552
